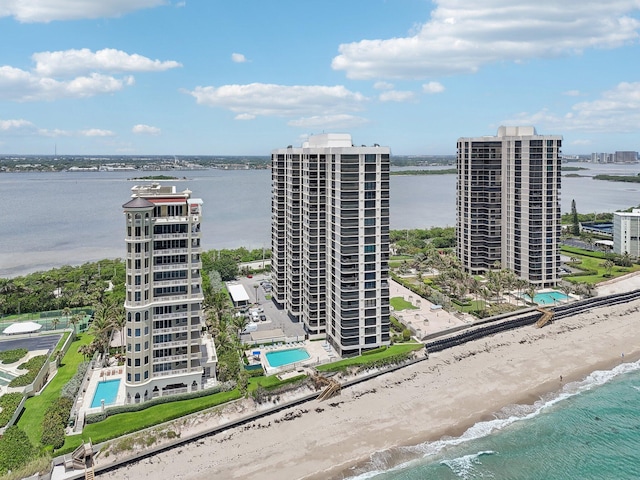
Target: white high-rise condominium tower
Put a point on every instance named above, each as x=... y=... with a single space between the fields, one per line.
x=330 y=240
x=167 y=351
x=508 y=203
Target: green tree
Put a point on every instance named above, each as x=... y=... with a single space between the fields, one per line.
x=54 y=322
x=227 y=267
x=575 y=222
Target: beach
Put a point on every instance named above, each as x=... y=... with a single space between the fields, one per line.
x=440 y=397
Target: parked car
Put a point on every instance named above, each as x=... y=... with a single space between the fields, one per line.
x=263 y=317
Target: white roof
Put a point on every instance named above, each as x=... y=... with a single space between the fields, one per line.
x=238 y=293
x=22 y=327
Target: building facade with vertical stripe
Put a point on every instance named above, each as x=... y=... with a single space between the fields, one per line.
x=330 y=240
x=508 y=204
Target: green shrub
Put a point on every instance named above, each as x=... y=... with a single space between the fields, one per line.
x=70 y=389
x=15 y=449
x=406 y=334
x=375 y=350
x=33 y=366
x=11 y=356
x=9 y=403
x=55 y=421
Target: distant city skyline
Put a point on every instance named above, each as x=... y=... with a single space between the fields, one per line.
x=159 y=77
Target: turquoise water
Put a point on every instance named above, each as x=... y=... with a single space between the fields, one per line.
x=107 y=391
x=590 y=430
x=285 y=357
x=548 y=298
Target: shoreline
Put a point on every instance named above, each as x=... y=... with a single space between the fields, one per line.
x=439 y=398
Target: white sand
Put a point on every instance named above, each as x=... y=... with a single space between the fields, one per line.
x=445 y=395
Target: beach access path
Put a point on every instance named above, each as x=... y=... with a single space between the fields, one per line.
x=442 y=396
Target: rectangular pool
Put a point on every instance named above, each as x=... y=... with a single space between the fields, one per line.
x=107 y=391
x=285 y=357
x=548 y=298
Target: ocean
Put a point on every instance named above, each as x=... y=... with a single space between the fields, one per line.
x=589 y=430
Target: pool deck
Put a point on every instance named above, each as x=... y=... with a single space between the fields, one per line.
x=83 y=403
x=319 y=352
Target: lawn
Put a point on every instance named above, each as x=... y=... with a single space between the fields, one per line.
x=399 y=303
x=35 y=408
x=372 y=358
x=125 y=423
x=589 y=263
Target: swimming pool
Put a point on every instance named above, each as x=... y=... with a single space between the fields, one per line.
x=285 y=357
x=107 y=391
x=548 y=298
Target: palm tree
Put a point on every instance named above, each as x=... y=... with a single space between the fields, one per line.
x=608 y=267
x=521 y=286
x=567 y=289
x=531 y=292
x=66 y=312
x=54 y=322
x=74 y=321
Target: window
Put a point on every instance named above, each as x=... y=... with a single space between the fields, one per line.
x=137 y=332
x=137 y=347
x=137 y=377
x=369 y=248
x=128 y=332
x=146 y=374
x=137 y=362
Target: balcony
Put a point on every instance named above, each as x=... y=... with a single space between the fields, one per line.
x=171 y=358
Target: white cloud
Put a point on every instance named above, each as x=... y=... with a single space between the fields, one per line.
x=383 y=86
x=76 y=62
x=260 y=99
x=238 y=58
x=142 y=129
x=31 y=11
x=616 y=111
x=97 y=132
x=75 y=74
x=463 y=35
x=15 y=125
x=433 y=87
x=396 y=96
x=245 y=116
x=329 y=122
x=56 y=132
x=22 y=86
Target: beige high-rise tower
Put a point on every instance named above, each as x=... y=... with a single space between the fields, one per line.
x=166 y=349
x=508 y=203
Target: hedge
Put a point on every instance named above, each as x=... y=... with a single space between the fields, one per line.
x=15 y=450
x=8 y=402
x=33 y=366
x=11 y=356
x=55 y=421
x=71 y=388
x=136 y=407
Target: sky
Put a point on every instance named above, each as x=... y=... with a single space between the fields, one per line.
x=244 y=77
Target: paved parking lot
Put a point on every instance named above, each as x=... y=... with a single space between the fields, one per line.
x=276 y=318
x=32 y=342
